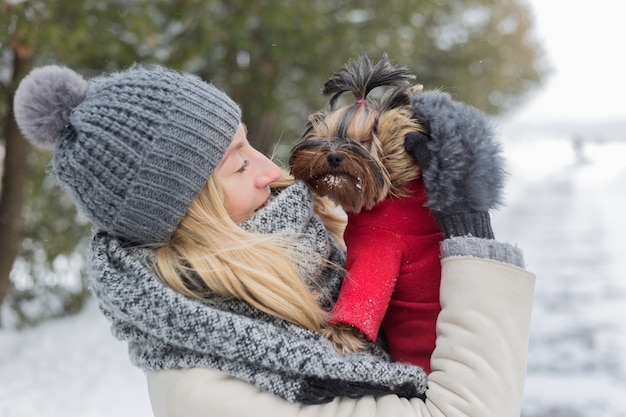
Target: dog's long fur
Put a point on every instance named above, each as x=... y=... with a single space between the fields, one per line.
x=355 y=154
x=340 y=154
x=393 y=126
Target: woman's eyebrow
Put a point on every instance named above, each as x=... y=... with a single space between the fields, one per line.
x=231 y=149
x=238 y=145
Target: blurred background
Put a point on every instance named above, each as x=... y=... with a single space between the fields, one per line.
x=550 y=73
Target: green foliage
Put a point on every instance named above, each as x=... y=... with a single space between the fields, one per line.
x=46 y=283
x=36 y=303
x=51 y=223
x=271 y=56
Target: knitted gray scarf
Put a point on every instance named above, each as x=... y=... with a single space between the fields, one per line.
x=166 y=330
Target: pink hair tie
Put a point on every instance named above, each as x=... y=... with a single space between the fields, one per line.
x=361 y=101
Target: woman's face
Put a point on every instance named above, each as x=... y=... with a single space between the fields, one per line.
x=245 y=175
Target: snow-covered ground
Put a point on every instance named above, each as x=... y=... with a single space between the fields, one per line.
x=69 y=367
x=565 y=212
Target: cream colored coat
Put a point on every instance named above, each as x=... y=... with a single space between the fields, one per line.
x=478 y=366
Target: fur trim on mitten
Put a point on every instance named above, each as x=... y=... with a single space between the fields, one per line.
x=462 y=163
x=466 y=167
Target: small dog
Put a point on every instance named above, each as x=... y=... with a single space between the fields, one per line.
x=355 y=155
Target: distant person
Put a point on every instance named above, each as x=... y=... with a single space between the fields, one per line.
x=221 y=283
x=578 y=145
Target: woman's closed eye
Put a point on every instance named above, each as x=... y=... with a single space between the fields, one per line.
x=244 y=166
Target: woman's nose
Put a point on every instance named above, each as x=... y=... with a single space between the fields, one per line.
x=268 y=173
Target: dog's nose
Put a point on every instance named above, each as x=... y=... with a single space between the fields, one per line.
x=334 y=159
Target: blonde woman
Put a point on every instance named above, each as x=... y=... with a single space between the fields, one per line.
x=221 y=282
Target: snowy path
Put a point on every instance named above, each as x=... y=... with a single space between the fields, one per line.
x=569 y=219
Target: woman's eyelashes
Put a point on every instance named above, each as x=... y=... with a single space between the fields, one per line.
x=244 y=166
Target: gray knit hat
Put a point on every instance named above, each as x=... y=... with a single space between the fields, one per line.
x=133 y=148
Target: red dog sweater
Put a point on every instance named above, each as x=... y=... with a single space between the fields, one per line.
x=394 y=272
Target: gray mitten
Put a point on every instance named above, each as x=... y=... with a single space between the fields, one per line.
x=462 y=164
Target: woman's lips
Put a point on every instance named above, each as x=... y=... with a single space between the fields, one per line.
x=263 y=205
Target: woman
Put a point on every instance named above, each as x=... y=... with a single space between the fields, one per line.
x=221 y=290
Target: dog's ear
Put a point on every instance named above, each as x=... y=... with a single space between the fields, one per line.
x=397 y=98
x=314 y=121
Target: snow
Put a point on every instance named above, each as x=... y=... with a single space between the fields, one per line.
x=566 y=213
x=567 y=216
x=69 y=367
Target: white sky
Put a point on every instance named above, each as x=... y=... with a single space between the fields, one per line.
x=584 y=42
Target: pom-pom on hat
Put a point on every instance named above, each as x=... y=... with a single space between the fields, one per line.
x=133 y=148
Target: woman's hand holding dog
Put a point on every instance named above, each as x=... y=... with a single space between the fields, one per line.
x=462 y=164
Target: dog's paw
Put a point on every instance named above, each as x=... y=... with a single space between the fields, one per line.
x=345 y=338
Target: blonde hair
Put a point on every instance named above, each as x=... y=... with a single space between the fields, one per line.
x=210 y=256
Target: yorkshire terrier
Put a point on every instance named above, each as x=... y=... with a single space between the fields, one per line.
x=355 y=155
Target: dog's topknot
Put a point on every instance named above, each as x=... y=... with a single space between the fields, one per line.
x=44 y=101
x=361 y=76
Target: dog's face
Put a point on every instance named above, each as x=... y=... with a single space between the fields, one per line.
x=356 y=161
x=345 y=167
